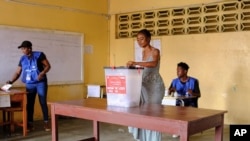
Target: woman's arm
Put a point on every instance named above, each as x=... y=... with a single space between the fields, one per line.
x=151 y=64
x=16 y=75
x=47 y=67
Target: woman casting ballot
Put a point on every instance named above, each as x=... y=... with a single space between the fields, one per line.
x=152 y=84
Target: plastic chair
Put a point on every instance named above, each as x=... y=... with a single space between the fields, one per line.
x=97 y=91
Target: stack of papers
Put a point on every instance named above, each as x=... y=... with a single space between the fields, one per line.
x=169 y=100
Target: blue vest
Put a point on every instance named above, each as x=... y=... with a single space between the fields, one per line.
x=30 y=69
x=182 y=88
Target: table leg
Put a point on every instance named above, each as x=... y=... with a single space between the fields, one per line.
x=54 y=124
x=96 y=130
x=219 y=130
x=5 y=123
x=25 y=122
x=184 y=137
x=183 y=132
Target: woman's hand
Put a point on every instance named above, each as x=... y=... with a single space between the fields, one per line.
x=9 y=82
x=130 y=63
x=40 y=76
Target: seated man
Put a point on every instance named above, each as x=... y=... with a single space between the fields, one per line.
x=185 y=85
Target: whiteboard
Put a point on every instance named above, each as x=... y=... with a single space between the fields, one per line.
x=64 y=50
x=138 y=50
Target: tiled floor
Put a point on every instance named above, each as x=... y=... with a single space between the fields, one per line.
x=71 y=129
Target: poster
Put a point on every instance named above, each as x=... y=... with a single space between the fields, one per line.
x=138 y=50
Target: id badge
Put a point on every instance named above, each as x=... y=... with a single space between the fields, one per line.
x=28 y=77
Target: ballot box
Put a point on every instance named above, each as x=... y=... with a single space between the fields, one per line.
x=123 y=86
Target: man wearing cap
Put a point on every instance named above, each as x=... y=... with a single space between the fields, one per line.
x=32 y=68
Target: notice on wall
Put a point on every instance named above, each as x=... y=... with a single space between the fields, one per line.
x=116 y=84
x=138 y=50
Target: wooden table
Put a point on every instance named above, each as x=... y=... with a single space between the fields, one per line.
x=16 y=96
x=184 y=121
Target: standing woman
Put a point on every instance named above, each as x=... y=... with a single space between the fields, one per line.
x=32 y=68
x=152 y=84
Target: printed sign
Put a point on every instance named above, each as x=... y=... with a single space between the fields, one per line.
x=116 y=84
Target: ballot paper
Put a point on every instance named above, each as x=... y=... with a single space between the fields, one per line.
x=6 y=87
x=4 y=96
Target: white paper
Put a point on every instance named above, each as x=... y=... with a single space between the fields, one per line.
x=4 y=100
x=6 y=87
x=169 y=101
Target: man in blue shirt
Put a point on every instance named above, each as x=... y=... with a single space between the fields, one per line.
x=32 y=68
x=185 y=85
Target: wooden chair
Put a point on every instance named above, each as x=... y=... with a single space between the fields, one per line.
x=18 y=104
x=4 y=123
